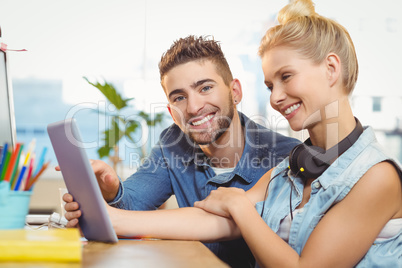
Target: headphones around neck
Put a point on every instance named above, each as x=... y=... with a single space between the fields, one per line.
x=310 y=161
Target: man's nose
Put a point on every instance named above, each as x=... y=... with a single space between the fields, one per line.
x=195 y=104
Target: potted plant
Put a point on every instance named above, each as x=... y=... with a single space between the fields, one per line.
x=120 y=126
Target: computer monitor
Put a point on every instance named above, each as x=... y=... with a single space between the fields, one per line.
x=7 y=116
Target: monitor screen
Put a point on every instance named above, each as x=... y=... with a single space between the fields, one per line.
x=7 y=117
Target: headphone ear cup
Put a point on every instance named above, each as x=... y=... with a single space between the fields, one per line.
x=293 y=158
x=306 y=160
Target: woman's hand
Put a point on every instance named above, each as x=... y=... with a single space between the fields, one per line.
x=222 y=201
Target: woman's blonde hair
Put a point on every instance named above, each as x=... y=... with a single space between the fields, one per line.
x=314 y=37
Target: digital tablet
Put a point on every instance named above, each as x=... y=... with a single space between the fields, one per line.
x=81 y=181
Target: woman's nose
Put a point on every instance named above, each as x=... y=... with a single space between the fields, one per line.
x=278 y=95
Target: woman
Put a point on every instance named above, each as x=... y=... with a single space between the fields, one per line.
x=352 y=213
x=315 y=209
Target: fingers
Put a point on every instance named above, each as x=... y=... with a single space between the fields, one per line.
x=72 y=206
x=72 y=224
x=72 y=217
x=68 y=198
x=200 y=204
x=111 y=181
x=107 y=179
x=98 y=166
x=73 y=212
x=57 y=168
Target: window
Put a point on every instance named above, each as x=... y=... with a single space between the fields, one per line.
x=377 y=101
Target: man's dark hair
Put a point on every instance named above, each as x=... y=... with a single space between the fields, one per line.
x=192 y=48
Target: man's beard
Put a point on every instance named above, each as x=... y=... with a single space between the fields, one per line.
x=210 y=135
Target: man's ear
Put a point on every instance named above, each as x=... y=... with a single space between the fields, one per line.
x=333 y=68
x=237 y=93
x=170 y=111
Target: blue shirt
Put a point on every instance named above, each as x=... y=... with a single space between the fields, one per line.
x=177 y=166
x=327 y=190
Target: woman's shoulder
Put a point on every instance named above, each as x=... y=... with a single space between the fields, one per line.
x=384 y=182
x=386 y=173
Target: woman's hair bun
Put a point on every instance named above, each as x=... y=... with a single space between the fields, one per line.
x=296 y=8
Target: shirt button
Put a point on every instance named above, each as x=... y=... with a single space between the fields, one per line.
x=317 y=184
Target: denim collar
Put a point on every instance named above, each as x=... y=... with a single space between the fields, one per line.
x=339 y=165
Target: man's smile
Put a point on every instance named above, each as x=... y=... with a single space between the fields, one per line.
x=201 y=121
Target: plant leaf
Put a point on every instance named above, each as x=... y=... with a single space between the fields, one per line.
x=131 y=127
x=111 y=137
x=104 y=151
x=157 y=118
x=111 y=94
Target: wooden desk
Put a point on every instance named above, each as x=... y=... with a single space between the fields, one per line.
x=138 y=253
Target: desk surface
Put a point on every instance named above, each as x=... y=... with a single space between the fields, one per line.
x=139 y=253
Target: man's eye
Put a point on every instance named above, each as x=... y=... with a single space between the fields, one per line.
x=177 y=99
x=206 y=88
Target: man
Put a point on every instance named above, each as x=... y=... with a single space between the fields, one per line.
x=210 y=145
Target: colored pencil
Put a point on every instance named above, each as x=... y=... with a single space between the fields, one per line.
x=10 y=167
x=25 y=165
x=7 y=160
x=41 y=160
x=3 y=158
x=15 y=166
x=32 y=181
x=30 y=169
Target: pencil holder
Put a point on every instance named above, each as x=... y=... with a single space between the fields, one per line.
x=14 y=206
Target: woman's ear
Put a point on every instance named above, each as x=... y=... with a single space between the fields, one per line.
x=334 y=69
x=237 y=92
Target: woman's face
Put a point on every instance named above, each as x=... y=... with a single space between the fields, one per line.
x=300 y=88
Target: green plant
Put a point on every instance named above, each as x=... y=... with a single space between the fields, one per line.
x=120 y=126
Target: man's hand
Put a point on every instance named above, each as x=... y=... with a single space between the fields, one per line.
x=73 y=212
x=107 y=179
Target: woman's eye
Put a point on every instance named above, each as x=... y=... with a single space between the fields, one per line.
x=270 y=87
x=285 y=77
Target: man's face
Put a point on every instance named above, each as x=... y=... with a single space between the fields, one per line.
x=199 y=101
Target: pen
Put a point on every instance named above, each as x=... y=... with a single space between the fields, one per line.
x=31 y=182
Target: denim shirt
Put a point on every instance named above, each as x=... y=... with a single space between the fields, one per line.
x=327 y=190
x=177 y=166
